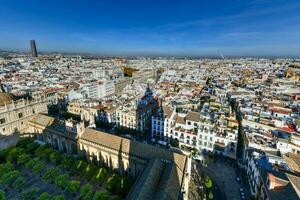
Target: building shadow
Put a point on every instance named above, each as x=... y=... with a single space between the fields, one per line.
x=9 y=140
x=158 y=173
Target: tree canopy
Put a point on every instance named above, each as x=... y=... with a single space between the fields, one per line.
x=86 y=192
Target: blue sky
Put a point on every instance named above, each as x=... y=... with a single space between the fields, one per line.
x=154 y=27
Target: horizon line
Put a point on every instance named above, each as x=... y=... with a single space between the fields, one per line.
x=145 y=54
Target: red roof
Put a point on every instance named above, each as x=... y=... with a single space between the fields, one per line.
x=281 y=111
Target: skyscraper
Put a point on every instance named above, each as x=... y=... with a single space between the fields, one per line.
x=33 y=49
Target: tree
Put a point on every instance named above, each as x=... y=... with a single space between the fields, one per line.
x=68 y=162
x=30 y=194
x=23 y=142
x=86 y=192
x=14 y=154
x=116 y=198
x=90 y=171
x=208 y=183
x=23 y=158
x=174 y=143
x=2 y=195
x=38 y=167
x=61 y=181
x=4 y=168
x=31 y=163
x=80 y=167
x=101 y=176
x=125 y=186
x=113 y=184
x=194 y=151
x=210 y=195
x=211 y=155
x=20 y=182
x=9 y=177
x=4 y=153
x=73 y=186
x=44 y=196
x=101 y=196
x=51 y=174
x=55 y=158
x=31 y=147
x=43 y=152
x=58 y=197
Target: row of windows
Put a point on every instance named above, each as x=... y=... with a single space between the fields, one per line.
x=20 y=115
x=158 y=122
x=190 y=123
x=159 y=127
x=205 y=137
x=4 y=129
x=205 y=144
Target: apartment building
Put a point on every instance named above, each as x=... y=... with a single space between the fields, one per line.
x=270 y=177
x=136 y=113
x=99 y=89
x=196 y=130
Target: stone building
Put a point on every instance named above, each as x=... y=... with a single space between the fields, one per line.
x=60 y=135
x=159 y=173
x=16 y=110
x=137 y=113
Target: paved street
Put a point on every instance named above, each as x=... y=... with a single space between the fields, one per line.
x=223 y=174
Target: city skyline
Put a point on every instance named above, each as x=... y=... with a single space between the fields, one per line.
x=197 y=28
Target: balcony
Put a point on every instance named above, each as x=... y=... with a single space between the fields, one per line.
x=191 y=132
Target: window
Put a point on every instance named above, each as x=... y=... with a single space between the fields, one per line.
x=20 y=115
x=33 y=111
x=195 y=124
x=189 y=123
x=2 y=121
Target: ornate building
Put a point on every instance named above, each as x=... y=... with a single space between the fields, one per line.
x=159 y=173
x=16 y=110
